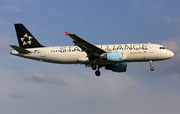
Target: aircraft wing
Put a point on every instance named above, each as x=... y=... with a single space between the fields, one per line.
x=89 y=48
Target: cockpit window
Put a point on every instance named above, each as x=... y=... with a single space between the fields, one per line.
x=162 y=48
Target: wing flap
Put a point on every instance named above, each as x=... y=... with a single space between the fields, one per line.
x=20 y=50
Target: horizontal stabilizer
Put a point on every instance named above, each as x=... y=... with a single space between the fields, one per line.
x=20 y=50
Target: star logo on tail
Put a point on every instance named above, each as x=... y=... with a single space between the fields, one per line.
x=26 y=40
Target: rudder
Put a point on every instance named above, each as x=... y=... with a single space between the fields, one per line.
x=25 y=38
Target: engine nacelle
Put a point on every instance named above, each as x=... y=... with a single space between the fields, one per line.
x=121 y=67
x=116 y=56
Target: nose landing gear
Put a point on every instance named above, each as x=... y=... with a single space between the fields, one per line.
x=151 y=68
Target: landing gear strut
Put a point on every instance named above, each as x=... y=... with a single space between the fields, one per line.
x=151 y=68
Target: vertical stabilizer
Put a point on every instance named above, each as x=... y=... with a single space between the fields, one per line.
x=25 y=38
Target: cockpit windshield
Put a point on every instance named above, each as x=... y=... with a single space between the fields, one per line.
x=162 y=48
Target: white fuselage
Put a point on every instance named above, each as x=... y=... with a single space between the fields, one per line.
x=74 y=55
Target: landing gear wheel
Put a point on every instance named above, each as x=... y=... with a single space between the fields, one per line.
x=93 y=66
x=98 y=73
x=152 y=68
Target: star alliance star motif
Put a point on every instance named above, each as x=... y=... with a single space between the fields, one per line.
x=26 y=39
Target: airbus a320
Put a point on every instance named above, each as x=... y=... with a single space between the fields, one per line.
x=113 y=57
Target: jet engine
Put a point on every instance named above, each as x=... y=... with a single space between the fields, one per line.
x=121 y=67
x=115 y=56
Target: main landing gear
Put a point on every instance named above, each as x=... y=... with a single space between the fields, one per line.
x=98 y=73
x=151 y=68
x=94 y=67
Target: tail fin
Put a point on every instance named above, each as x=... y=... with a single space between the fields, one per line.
x=25 y=38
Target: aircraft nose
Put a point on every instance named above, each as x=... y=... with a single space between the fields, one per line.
x=170 y=54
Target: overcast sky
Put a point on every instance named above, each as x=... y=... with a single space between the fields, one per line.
x=33 y=87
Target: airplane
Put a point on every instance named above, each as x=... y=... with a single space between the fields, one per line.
x=113 y=57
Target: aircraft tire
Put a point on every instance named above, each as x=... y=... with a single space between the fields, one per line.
x=93 y=66
x=152 y=68
x=98 y=73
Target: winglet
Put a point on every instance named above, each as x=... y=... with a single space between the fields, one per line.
x=66 y=33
